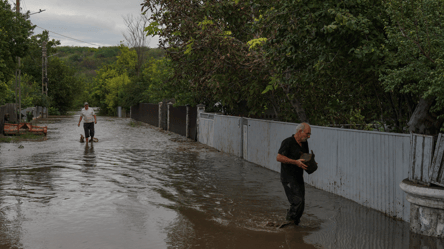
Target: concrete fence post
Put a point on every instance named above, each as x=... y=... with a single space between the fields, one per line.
x=160 y=114
x=241 y=144
x=119 y=111
x=168 y=116
x=200 y=109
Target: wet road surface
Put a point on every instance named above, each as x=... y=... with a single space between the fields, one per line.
x=139 y=187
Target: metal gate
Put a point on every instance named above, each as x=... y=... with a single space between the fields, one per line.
x=192 y=122
x=177 y=117
x=147 y=113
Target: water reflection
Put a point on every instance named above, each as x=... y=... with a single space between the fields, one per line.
x=194 y=229
x=89 y=156
x=11 y=214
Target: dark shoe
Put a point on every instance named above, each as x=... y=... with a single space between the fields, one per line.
x=285 y=224
x=289 y=216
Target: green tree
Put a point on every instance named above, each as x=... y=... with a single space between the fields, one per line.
x=29 y=90
x=206 y=43
x=157 y=73
x=151 y=86
x=416 y=63
x=32 y=67
x=323 y=62
x=7 y=95
x=112 y=79
x=63 y=86
x=14 y=32
x=326 y=57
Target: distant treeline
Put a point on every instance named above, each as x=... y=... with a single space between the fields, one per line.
x=115 y=76
x=86 y=60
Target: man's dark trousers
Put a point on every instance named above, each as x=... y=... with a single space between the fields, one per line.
x=295 y=191
x=89 y=129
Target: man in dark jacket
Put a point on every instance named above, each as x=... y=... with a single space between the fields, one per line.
x=292 y=170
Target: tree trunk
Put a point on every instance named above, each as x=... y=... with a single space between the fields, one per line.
x=423 y=121
x=300 y=111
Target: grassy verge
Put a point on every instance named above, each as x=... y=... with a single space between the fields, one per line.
x=22 y=137
x=134 y=123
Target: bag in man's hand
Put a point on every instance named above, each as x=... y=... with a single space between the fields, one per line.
x=312 y=166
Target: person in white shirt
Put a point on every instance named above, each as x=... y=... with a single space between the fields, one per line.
x=88 y=121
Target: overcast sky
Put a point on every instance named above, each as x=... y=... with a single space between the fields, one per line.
x=98 y=22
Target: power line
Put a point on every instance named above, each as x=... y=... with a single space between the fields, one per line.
x=69 y=37
x=40 y=11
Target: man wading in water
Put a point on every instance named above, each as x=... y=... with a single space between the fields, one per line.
x=292 y=170
x=88 y=122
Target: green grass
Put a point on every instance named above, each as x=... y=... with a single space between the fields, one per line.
x=22 y=137
x=4 y=139
x=134 y=124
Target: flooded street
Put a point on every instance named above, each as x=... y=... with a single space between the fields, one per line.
x=140 y=187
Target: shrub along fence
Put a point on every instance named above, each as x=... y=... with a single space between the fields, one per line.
x=180 y=119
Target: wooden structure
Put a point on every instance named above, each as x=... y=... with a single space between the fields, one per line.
x=17 y=129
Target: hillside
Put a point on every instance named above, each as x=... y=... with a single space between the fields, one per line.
x=86 y=60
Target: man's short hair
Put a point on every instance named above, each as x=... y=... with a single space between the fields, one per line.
x=300 y=126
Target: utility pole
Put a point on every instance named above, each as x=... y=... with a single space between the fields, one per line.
x=45 y=73
x=18 y=74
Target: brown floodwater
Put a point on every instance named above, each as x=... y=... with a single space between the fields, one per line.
x=139 y=187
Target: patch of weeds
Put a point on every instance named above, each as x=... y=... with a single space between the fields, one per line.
x=28 y=136
x=5 y=139
x=134 y=124
x=54 y=111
